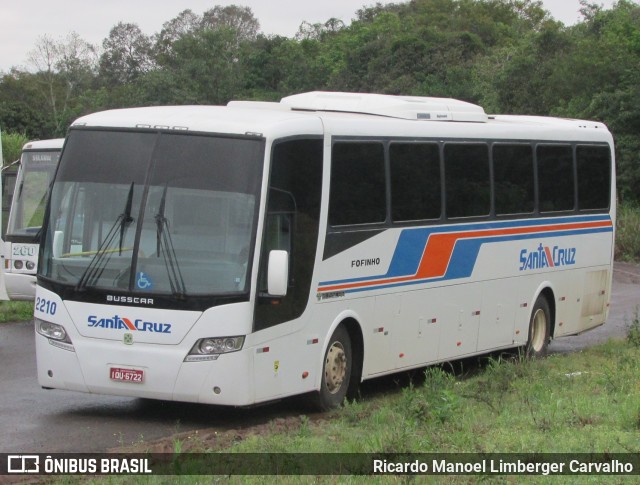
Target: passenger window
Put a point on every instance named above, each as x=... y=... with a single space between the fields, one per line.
x=513 y=179
x=555 y=178
x=358 y=193
x=467 y=181
x=415 y=181
x=594 y=177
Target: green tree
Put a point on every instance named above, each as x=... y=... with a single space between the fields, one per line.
x=127 y=55
x=277 y=66
x=64 y=69
x=21 y=105
x=185 y=23
x=203 y=68
x=232 y=17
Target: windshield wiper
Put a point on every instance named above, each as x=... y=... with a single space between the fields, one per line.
x=126 y=218
x=103 y=254
x=164 y=244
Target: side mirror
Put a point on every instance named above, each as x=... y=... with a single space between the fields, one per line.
x=58 y=241
x=278 y=273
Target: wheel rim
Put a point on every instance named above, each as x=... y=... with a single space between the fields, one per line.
x=538 y=331
x=335 y=367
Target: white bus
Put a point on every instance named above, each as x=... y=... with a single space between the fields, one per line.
x=235 y=255
x=36 y=169
x=3 y=191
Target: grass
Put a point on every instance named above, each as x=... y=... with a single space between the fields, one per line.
x=633 y=334
x=628 y=233
x=561 y=404
x=14 y=311
x=583 y=402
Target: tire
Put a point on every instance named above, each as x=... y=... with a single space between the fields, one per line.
x=336 y=370
x=539 y=329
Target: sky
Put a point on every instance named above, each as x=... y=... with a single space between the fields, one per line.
x=23 y=22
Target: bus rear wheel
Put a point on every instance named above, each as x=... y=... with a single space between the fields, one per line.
x=336 y=370
x=539 y=329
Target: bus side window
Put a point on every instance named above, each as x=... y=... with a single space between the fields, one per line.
x=358 y=186
x=292 y=224
x=279 y=230
x=513 y=175
x=415 y=181
x=555 y=178
x=594 y=177
x=467 y=180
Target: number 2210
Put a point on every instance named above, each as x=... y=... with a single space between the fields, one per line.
x=46 y=306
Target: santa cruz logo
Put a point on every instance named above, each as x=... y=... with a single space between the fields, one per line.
x=121 y=323
x=546 y=257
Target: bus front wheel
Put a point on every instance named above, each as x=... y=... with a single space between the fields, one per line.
x=336 y=370
x=539 y=329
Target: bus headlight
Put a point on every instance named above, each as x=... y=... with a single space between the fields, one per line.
x=211 y=348
x=52 y=331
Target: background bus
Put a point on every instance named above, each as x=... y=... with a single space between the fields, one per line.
x=3 y=216
x=36 y=169
x=234 y=255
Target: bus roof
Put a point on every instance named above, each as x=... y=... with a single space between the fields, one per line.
x=53 y=144
x=404 y=107
x=350 y=114
x=216 y=119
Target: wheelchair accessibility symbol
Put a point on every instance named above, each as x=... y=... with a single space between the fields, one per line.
x=143 y=282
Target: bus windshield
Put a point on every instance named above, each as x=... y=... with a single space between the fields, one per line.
x=154 y=213
x=27 y=211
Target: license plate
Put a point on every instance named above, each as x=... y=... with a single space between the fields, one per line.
x=126 y=375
